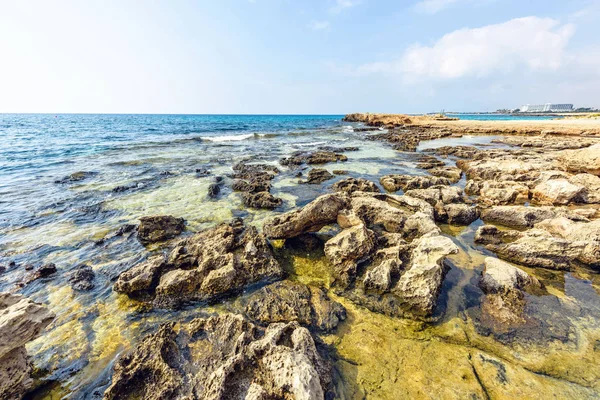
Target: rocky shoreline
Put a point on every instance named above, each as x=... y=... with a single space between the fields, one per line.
x=533 y=206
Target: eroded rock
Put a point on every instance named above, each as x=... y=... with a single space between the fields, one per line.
x=351 y=185
x=317 y=176
x=223 y=357
x=158 y=228
x=316 y=157
x=395 y=182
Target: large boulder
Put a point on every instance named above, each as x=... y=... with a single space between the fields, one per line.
x=582 y=160
x=223 y=357
x=210 y=264
x=347 y=250
x=157 y=228
x=420 y=285
x=557 y=192
x=21 y=321
x=288 y=301
x=310 y=218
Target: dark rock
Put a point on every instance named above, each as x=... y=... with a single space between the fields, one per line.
x=351 y=185
x=76 y=177
x=127 y=228
x=254 y=186
x=223 y=357
x=308 y=242
x=317 y=157
x=158 y=228
x=318 y=175
x=340 y=172
x=263 y=200
x=287 y=301
x=82 y=278
x=213 y=190
x=202 y=172
x=206 y=266
x=461 y=214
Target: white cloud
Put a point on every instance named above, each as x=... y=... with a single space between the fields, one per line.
x=433 y=6
x=341 y=5
x=318 y=25
x=531 y=42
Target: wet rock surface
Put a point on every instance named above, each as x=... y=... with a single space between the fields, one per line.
x=317 y=176
x=21 y=321
x=223 y=357
x=317 y=157
x=82 y=278
x=393 y=183
x=288 y=301
x=254 y=181
x=158 y=228
x=204 y=267
x=351 y=185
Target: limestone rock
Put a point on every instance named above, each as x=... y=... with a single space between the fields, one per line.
x=317 y=176
x=141 y=279
x=453 y=174
x=461 y=214
x=395 y=182
x=420 y=285
x=21 y=321
x=310 y=218
x=287 y=301
x=157 y=228
x=591 y=183
x=264 y=200
x=222 y=357
x=317 y=157
x=517 y=216
x=348 y=249
x=500 y=277
x=557 y=192
x=351 y=185
x=582 y=160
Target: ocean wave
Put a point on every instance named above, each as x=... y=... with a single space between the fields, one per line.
x=229 y=138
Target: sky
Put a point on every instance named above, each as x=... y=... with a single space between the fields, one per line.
x=296 y=57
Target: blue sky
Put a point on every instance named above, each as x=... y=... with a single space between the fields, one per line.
x=284 y=56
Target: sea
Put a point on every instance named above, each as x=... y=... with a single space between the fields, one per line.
x=69 y=182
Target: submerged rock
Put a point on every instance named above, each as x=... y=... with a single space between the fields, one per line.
x=311 y=218
x=208 y=265
x=351 y=185
x=82 y=278
x=21 y=321
x=287 y=301
x=76 y=177
x=158 y=228
x=223 y=357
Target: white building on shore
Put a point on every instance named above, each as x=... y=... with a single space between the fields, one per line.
x=548 y=107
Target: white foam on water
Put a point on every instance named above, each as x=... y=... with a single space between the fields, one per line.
x=229 y=138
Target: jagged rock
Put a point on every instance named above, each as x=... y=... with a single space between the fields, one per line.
x=499 y=193
x=461 y=214
x=304 y=242
x=375 y=212
x=440 y=196
x=213 y=190
x=583 y=160
x=21 y=321
x=244 y=170
x=287 y=301
x=317 y=157
x=591 y=183
x=208 y=265
x=351 y=185
x=254 y=186
x=453 y=174
x=263 y=200
x=348 y=249
x=158 y=228
x=311 y=218
x=557 y=192
x=420 y=285
x=223 y=357
x=395 y=182
x=318 y=175
x=82 y=278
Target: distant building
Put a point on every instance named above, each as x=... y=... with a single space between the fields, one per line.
x=548 y=107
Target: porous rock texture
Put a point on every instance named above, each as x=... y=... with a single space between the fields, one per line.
x=212 y=263
x=21 y=321
x=223 y=357
x=157 y=228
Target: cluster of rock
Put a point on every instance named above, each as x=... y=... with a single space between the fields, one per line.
x=389 y=254
x=222 y=357
x=205 y=266
x=21 y=321
x=254 y=181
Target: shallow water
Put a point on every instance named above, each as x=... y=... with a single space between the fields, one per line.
x=158 y=158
